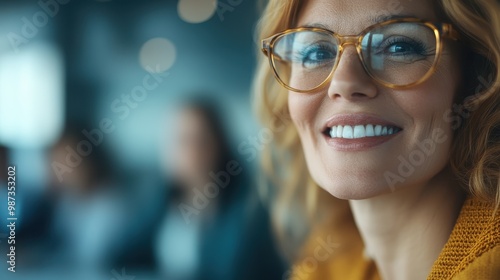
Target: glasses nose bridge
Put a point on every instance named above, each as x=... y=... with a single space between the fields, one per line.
x=348 y=40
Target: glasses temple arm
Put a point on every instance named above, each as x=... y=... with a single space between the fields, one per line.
x=450 y=32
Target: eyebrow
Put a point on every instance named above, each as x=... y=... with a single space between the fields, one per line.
x=316 y=25
x=373 y=20
x=382 y=18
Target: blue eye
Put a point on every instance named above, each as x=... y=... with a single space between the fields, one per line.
x=316 y=56
x=408 y=48
x=405 y=48
x=402 y=48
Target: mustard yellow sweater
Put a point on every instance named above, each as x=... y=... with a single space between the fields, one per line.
x=471 y=253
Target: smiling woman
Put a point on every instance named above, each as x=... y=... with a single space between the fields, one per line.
x=395 y=115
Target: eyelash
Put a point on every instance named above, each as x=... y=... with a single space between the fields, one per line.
x=314 y=48
x=419 y=46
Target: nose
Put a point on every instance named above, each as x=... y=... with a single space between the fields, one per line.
x=350 y=80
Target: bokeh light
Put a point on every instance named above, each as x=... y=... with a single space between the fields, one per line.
x=157 y=55
x=196 y=11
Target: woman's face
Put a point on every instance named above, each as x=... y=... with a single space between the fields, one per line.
x=416 y=152
x=197 y=149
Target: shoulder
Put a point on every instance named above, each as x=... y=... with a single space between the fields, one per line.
x=473 y=249
x=486 y=266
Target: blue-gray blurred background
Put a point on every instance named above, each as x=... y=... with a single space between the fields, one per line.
x=129 y=125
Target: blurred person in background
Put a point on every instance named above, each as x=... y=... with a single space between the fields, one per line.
x=89 y=213
x=204 y=233
x=32 y=211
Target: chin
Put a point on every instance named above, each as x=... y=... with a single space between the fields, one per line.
x=353 y=189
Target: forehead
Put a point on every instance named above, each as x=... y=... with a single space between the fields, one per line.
x=352 y=16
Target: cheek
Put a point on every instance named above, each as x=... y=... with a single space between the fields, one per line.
x=427 y=139
x=305 y=113
x=428 y=104
x=303 y=109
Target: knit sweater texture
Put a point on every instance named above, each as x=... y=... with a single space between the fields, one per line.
x=471 y=252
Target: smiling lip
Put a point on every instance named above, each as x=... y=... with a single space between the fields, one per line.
x=345 y=143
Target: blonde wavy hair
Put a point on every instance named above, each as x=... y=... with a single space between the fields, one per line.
x=475 y=157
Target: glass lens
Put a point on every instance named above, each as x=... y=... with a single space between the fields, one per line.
x=399 y=53
x=304 y=59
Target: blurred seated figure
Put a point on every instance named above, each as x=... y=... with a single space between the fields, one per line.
x=89 y=215
x=209 y=221
x=31 y=210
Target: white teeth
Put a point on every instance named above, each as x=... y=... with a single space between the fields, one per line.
x=361 y=131
x=333 y=133
x=369 y=131
x=348 y=132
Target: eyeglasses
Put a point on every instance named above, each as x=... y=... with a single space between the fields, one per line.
x=398 y=53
